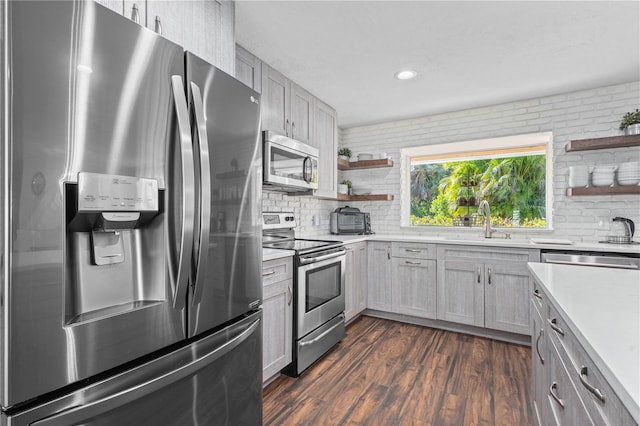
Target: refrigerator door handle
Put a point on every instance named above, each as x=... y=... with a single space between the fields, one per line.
x=79 y=414
x=201 y=244
x=188 y=197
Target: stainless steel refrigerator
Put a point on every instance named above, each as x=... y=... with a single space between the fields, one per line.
x=130 y=223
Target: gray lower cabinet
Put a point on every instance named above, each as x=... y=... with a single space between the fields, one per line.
x=568 y=389
x=355 y=280
x=539 y=362
x=485 y=287
x=277 y=315
x=379 y=289
x=413 y=279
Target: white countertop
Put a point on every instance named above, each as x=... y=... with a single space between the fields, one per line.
x=487 y=242
x=602 y=308
x=271 y=254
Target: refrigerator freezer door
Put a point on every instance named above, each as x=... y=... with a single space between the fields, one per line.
x=213 y=381
x=228 y=247
x=89 y=91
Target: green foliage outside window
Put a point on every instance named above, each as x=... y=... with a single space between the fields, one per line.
x=439 y=191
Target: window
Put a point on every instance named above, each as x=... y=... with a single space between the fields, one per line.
x=443 y=185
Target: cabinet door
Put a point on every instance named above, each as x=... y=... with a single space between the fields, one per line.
x=115 y=5
x=349 y=285
x=277 y=314
x=379 y=288
x=538 y=359
x=248 y=69
x=507 y=292
x=460 y=296
x=360 y=275
x=565 y=405
x=141 y=6
x=173 y=18
x=275 y=101
x=301 y=115
x=413 y=287
x=325 y=129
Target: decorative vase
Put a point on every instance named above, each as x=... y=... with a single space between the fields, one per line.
x=343 y=189
x=632 y=129
x=343 y=157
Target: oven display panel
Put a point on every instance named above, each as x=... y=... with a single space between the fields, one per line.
x=271 y=219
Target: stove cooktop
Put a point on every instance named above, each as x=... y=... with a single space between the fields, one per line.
x=303 y=246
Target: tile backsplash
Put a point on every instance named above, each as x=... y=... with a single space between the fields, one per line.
x=576 y=115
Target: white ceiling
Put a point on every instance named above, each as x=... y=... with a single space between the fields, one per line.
x=467 y=54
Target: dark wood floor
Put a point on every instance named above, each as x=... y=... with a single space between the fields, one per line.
x=390 y=373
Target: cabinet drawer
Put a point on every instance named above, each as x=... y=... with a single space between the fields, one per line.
x=277 y=270
x=602 y=404
x=564 y=401
x=538 y=297
x=493 y=254
x=413 y=250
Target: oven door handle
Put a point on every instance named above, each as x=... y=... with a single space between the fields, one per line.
x=337 y=253
x=321 y=336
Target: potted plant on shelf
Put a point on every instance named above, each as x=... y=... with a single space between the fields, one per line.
x=344 y=187
x=630 y=123
x=344 y=153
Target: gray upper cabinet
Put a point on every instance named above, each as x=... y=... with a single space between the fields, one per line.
x=248 y=69
x=325 y=129
x=136 y=10
x=205 y=28
x=275 y=101
x=115 y=5
x=301 y=113
x=286 y=107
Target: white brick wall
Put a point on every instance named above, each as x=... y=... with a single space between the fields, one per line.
x=577 y=115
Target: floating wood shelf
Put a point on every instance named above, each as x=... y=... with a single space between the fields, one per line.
x=370 y=197
x=604 y=190
x=603 y=143
x=368 y=164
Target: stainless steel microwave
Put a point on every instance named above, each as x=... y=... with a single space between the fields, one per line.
x=289 y=165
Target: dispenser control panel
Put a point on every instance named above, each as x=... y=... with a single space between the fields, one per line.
x=100 y=192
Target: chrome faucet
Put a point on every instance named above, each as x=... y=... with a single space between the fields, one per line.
x=485 y=210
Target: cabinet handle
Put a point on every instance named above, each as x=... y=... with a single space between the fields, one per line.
x=271 y=272
x=158 y=25
x=554 y=324
x=489 y=275
x=478 y=273
x=537 y=294
x=408 y=262
x=538 y=347
x=293 y=130
x=286 y=127
x=552 y=389
x=290 y=295
x=135 y=16
x=412 y=251
x=589 y=386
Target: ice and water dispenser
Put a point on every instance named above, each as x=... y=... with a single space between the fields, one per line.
x=114 y=245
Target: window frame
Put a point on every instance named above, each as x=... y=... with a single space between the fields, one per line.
x=459 y=148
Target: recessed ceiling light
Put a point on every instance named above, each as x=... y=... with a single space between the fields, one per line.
x=406 y=74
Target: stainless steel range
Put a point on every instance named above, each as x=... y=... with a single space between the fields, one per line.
x=318 y=290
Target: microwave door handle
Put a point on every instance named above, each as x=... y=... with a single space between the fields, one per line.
x=201 y=246
x=188 y=197
x=304 y=169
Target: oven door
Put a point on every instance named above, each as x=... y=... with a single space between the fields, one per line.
x=320 y=290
